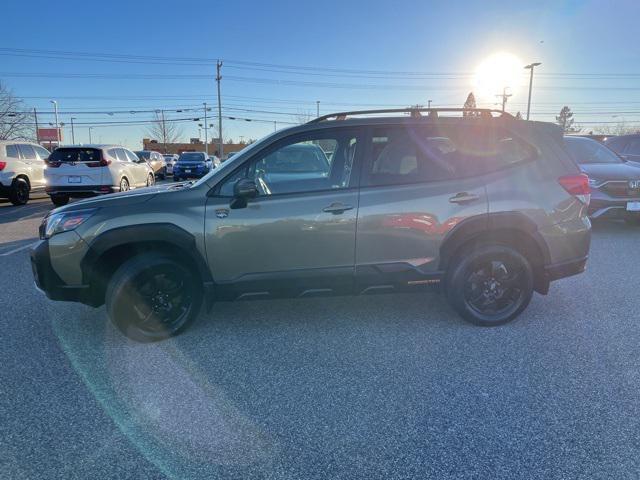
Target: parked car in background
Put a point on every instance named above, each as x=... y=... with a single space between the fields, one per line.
x=89 y=170
x=492 y=220
x=614 y=182
x=170 y=160
x=156 y=160
x=627 y=146
x=192 y=165
x=22 y=166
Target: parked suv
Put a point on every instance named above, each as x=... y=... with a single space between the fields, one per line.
x=21 y=170
x=89 y=170
x=615 y=182
x=488 y=207
x=156 y=161
x=192 y=165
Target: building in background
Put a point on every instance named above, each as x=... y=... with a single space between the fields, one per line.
x=194 y=145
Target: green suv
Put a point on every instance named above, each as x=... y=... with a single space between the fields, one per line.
x=488 y=207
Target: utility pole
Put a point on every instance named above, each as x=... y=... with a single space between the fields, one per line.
x=73 y=136
x=504 y=95
x=275 y=125
x=220 y=146
x=206 y=146
x=429 y=104
x=317 y=108
x=55 y=109
x=531 y=66
x=90 y=142
x=164 y=132
x=35 y=115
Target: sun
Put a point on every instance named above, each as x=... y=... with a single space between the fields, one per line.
x=496 y=72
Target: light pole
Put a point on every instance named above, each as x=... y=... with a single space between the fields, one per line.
x=90 y=142
x=531 y=66
x=206 y=147
x=317 y=108
x=73 y=136
x=55 y=109
x=429 y=104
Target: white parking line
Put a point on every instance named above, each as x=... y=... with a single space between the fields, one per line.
x=16 y=250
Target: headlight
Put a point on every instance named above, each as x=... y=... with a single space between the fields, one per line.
x=63 y=222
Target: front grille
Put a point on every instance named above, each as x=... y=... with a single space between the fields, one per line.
x=620 y=190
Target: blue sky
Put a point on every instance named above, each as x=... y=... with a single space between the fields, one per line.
x=577 y=42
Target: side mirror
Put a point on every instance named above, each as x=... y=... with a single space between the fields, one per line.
x=243 y=190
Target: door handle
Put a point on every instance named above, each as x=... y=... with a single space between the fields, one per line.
x=464 y=197
x=337 y=208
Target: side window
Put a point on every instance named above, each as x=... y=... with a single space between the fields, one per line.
x=132 y=157
x=303 y=165
x=417 y=154
x=12 y=151
x=43 y=153
x=113 y=153
x=27 y=151
x=633 y=147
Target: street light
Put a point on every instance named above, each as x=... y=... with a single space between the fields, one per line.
x=531 y=66
x=73 y=136
x=90 y=142
x=55 y=109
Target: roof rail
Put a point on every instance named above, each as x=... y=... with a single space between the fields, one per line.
x=413 y=111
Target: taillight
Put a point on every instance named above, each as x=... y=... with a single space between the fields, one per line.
x=578 y=186
x=102 y=163
x=2 y=165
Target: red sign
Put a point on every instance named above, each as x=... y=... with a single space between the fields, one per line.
x=49 y=134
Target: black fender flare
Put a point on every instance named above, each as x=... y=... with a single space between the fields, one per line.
x=165 y=233
x=473 y=227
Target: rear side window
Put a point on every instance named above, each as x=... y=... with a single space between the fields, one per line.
x=43 y=153
x=131 y=156
x=12 y=151
x=67 y=155
x=417 y=154
x=27 y=152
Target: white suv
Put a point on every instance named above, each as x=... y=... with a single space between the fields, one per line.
x=88 y=170
x=22 y=166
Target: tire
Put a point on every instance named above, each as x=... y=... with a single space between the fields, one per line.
x=60 y=200
x=162 y=175
x=150 y=180
x=490 y=285
x=141 y=313
x=19 y=193
x=124 y=184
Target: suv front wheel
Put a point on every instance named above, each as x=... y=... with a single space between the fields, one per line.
x=490 y=285
x=152 y=297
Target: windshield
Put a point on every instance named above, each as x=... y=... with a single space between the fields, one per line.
x=587 y=151
x=191 y=157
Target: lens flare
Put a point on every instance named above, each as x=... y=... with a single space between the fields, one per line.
x=497 y=72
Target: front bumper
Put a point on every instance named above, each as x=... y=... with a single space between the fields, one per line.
x=194 y=173
x=602 y=205
x=48 y=281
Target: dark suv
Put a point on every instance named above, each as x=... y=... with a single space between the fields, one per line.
x=489 y=207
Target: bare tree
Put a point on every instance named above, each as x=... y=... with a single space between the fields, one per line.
x=620 y=128
x=15 y=123
x=304 y=116
x=164 y=130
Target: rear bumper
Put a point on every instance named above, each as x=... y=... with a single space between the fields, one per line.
x=80 y=190
x=48 y=281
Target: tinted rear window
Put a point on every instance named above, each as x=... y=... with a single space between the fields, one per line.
x=75 y=155
x=191 y=157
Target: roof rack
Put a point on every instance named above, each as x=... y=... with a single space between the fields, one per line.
x=413 y=111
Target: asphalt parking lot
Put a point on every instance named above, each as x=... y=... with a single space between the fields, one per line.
x=389 y=386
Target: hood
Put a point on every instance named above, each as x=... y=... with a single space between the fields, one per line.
x=132 y=197
x=612 y=171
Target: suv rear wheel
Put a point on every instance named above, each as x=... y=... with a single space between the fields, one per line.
x=490 y=285
x=19 y=194
x=152 y=297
